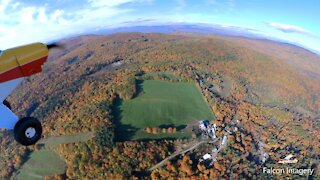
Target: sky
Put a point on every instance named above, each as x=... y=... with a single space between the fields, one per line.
x=27 y=21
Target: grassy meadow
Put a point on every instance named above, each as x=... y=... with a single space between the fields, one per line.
x=160 y=104
x=42 y=163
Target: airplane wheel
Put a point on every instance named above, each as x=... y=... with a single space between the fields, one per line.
x=28 y=131
x=6 y=103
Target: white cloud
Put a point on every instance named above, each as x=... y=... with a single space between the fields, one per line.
x=26 y=15
x=22 y=23
x=42 y=17
x=56 y=15
x=3 y=6
x=288 y=28
x=15 y=5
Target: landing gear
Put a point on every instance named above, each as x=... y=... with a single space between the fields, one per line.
x=28 y=131
x=6 y=103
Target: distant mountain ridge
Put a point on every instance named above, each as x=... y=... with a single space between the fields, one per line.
x=180 y=27
x=215 y=29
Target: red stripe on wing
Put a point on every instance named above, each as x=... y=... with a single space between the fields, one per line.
x=33 y=67
x=14 y=73
x=24 y=70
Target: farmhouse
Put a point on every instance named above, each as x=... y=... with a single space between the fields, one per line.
x=207 y=160
x=208 y=129
x=203 y=125
x=205 y=157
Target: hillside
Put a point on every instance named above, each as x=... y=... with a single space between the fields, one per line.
x=269 y=90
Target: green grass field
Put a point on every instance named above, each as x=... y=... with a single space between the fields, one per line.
x=46 y=162
x=66 y=139
x=42 y=163
x=161 y=104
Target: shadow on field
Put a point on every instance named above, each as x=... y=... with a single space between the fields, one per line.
x=123 y=132
x=139 y=89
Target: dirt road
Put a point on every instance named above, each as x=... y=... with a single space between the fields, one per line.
x=190 y=148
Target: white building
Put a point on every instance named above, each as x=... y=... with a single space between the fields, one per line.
x=224 y=140
x=214 y=150
x=265 y=157
x=203 y=125
x=205 y=157
x=212 y=132
x=288 y=160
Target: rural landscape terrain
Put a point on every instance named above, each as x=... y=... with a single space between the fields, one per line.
x=128 y=105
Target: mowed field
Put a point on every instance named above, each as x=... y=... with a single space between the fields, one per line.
x=67 y=139
x=160 y=104
x=46 y=162
x=42 y=163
